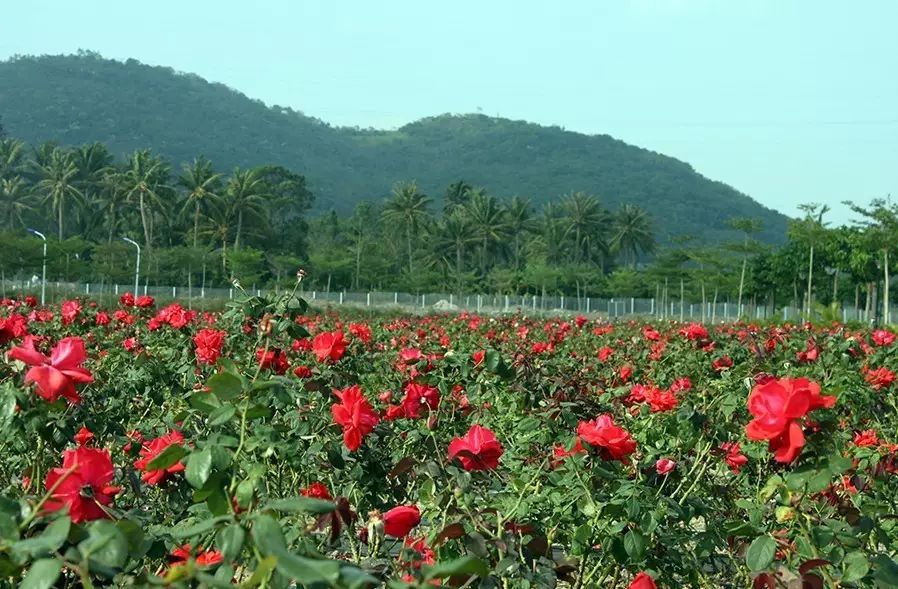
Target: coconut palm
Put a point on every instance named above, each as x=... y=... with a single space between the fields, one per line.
x=145 y=181
x=408 y=209
x=12 y=153
x=457 y=195
x=202 y=186
x=632 y=233
x=110 y=199
x=245 y=197
x=586 y=221
x=488 y=223
x=15 y=200
x=519 y=223
x=454 y=234
x=57 y=184
x=217 y=227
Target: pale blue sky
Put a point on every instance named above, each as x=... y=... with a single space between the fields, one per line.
x=787 y=101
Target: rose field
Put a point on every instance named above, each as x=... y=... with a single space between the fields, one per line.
x=272 y=445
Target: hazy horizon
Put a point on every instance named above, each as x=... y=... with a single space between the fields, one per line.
x=783 y=104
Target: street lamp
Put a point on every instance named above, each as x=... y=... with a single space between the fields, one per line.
x=44 y=269
x=137 y=266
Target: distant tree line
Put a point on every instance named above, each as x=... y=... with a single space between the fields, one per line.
x=197 y=224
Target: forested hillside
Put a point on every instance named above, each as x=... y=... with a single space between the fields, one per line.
x=80 y=99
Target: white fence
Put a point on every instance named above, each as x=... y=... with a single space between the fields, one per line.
x=480 y=303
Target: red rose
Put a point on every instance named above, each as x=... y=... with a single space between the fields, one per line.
x=55 y=376
x=317 y=491
x=417 y=396
x=83 y=436
x=614 y=441
x=399 y=521
x=477 y=450
x=643 y=581
x=777 y=407
x=208 y=344
x=329 y=346
x=82 y=484
x=355 y=414
x=664 y=466
x=151 y=450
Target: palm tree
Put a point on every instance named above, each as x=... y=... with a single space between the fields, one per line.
x=218 y=227
x=632 y=233
x=519 y=222
x=202 y=185
x=111 y=196
x=454 y=234
x=57 y=184
x=245 y=197
x=144 y=179
x=586 y=219
x=93 y=162
x=457 y=195
x=11 y=154
x=552 y=232
x=488 y=222
x=15 y=198
x=408 y=209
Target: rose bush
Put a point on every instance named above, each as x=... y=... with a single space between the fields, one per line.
x=266 y=446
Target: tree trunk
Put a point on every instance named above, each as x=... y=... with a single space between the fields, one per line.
x=224 y=255
x=358 y=262
x=408 y=242
x=885 y=289
x=143 y=221
x=61 y=202
x=810 y=282
x=741 y=284
x=458 y=267
x=196 y=223
x=239 y=229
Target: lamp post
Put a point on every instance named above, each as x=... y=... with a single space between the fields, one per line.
x=44 y=265
x=137 y=266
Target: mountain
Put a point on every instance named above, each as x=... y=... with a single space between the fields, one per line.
x=83 y=98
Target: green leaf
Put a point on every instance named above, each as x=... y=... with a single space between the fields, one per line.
x=262 y=572
x=225 y=385
x=245 y=492
x=42 y=575
x=634 y=545
x=49 y=541
x=354 y=578
x=230 y=541
x=760 y=553
x=819 y=481
x=886 y=573
x=105 y=545
x=268 y=536
x=302 y=504
x=222 y=415
x=199 y=466
x=308 y=570
x=198 y=528
x=203 y=401
x=466 y=565
x=856 y=567
x=839 y=464
x=167 y=458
